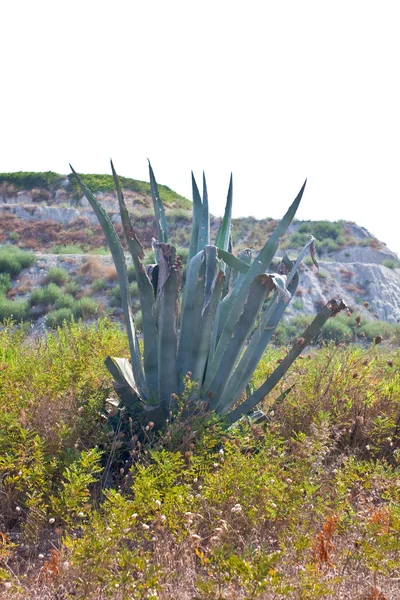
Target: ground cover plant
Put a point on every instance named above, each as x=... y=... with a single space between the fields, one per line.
x=304 y=505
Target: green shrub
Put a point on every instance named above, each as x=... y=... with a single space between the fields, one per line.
x=46 y=295
x=105 y=183
x=298 y=304
x=13 y=259
x=72 y=287
x=184 y=253
x=67 y=249
x=100 y=251
x=13 y=309
x=115 y=293
x=58 y=317
x=287 y=331
x=131 y=273
x=26 y=181
x=305 y=228
x=99 y=285
x=65 y=301
x=390 y=263
x=5 y=283
x=337 y=330
x=13 y=236
x=57 y=275
x=85 y=308
x=307 y=260
x=297 y=240
x=327 y=230
x=326 y=244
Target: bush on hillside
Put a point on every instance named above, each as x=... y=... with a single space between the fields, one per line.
x=57 y=275
x=56 y=318
x=5 y=283
x=13 y=309
x=85 y=308
x=49 y=294
x=13 y=259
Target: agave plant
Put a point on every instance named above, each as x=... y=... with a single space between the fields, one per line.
x=216 y=326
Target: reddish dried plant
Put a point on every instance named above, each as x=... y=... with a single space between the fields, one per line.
x=323 y=545
x=51 y=567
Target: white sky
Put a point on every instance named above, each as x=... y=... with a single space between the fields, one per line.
x=275 y=91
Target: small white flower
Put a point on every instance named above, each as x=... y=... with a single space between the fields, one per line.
x=236 y=509
x=368 y=446
x=7 y=585
x=41 y=556
x=81 y=515
x=18 y=508
x=221 y=452
x=52 y=520
x=163 y=518
x=145 y=526
x=158 y=503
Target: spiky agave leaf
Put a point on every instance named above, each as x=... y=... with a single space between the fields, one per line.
x=146 y=294
x=260 y=288
x=196 y=218
x=204 y=227
x=263 y=334
x=237 y=297
x=224 y=232
x=201 y=297
x=259 y=340
x=119 y=261
x=331 y=309
x=169 y=277
x=161 y=219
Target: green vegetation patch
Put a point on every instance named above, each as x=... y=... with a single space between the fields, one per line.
x=13 y=259
x=198 y=509
x=329 y=236
x=13 y=309
x=5 y=283
x=57 y=275
x=48 y=294
x=23 y=180
x=105 y=183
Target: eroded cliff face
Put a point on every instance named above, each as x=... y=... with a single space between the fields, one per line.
x=361 y=270
x=368 y=288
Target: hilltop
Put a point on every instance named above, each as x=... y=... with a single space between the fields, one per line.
x=46 y=214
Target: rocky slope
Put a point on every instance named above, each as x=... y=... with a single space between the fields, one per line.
x=51 y=218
